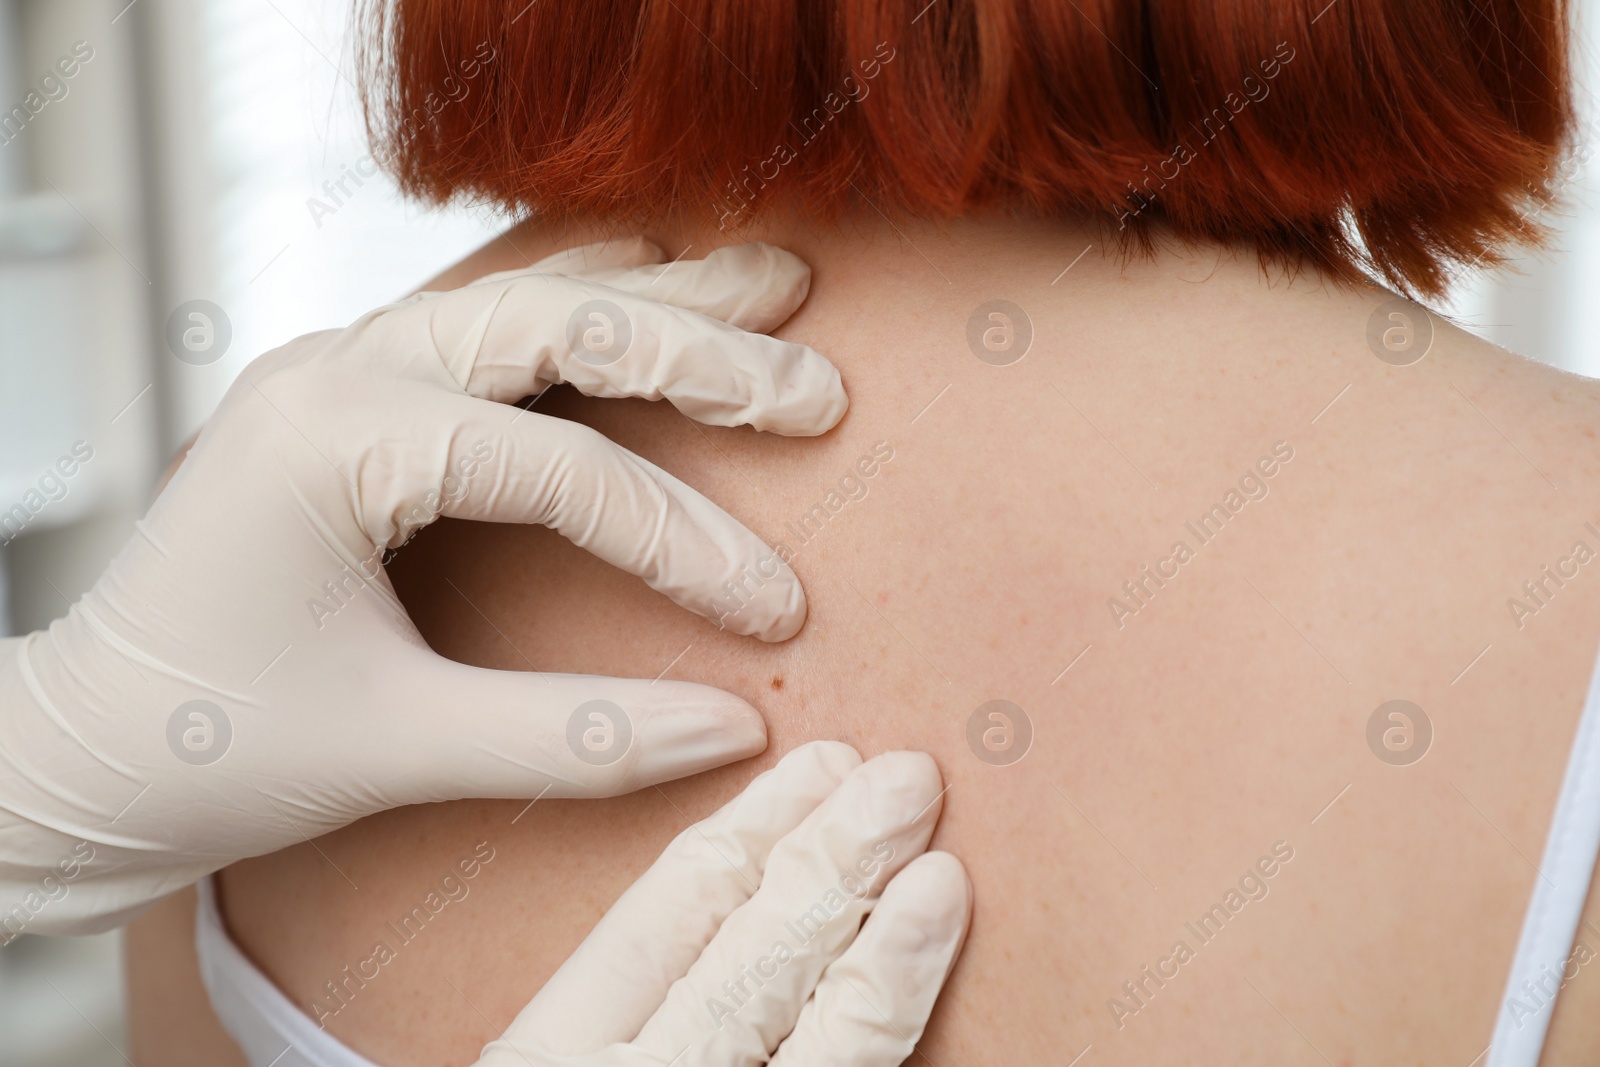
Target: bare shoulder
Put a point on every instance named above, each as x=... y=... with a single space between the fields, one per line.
x=1551 y=414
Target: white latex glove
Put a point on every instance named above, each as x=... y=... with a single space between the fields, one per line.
x=254 y=585
x=740 y=947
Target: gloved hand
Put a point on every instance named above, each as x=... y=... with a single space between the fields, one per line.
x=739 y=946
x=243 y=677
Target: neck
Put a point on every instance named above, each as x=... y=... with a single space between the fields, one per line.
x=879 y=285
x=990 y=256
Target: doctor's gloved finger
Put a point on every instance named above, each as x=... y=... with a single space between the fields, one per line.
x=755 y=286
x=749 y=986
x=606 y=991
x=873 y=1002
x=474 y=732
x=509 y=339
x=618 y=254
x=523 y=467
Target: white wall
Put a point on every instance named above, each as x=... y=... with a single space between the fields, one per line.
x=177 y=167
x=263 y=113
x=1547 y=305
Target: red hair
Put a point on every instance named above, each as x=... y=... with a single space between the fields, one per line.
x=1397 y=140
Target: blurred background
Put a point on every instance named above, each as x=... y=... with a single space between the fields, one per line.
x=195 y=154
x=197 y=191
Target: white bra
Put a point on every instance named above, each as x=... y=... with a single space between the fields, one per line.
x=267 y=1026
x=1545 y=954
x=274 y=1033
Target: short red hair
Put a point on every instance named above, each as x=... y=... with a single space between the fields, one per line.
x=1397 y=139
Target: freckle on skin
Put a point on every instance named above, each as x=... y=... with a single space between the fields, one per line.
x=777 y=682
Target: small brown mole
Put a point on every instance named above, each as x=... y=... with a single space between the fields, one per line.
x=777 y=682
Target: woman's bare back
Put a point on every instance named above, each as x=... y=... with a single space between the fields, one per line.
x=1201 y=858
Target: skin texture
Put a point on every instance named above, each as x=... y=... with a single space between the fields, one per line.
x=1225 y=720
x=169 y=1020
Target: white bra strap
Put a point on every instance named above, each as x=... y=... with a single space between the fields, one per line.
x=265 y=1023
x=1545 y=957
